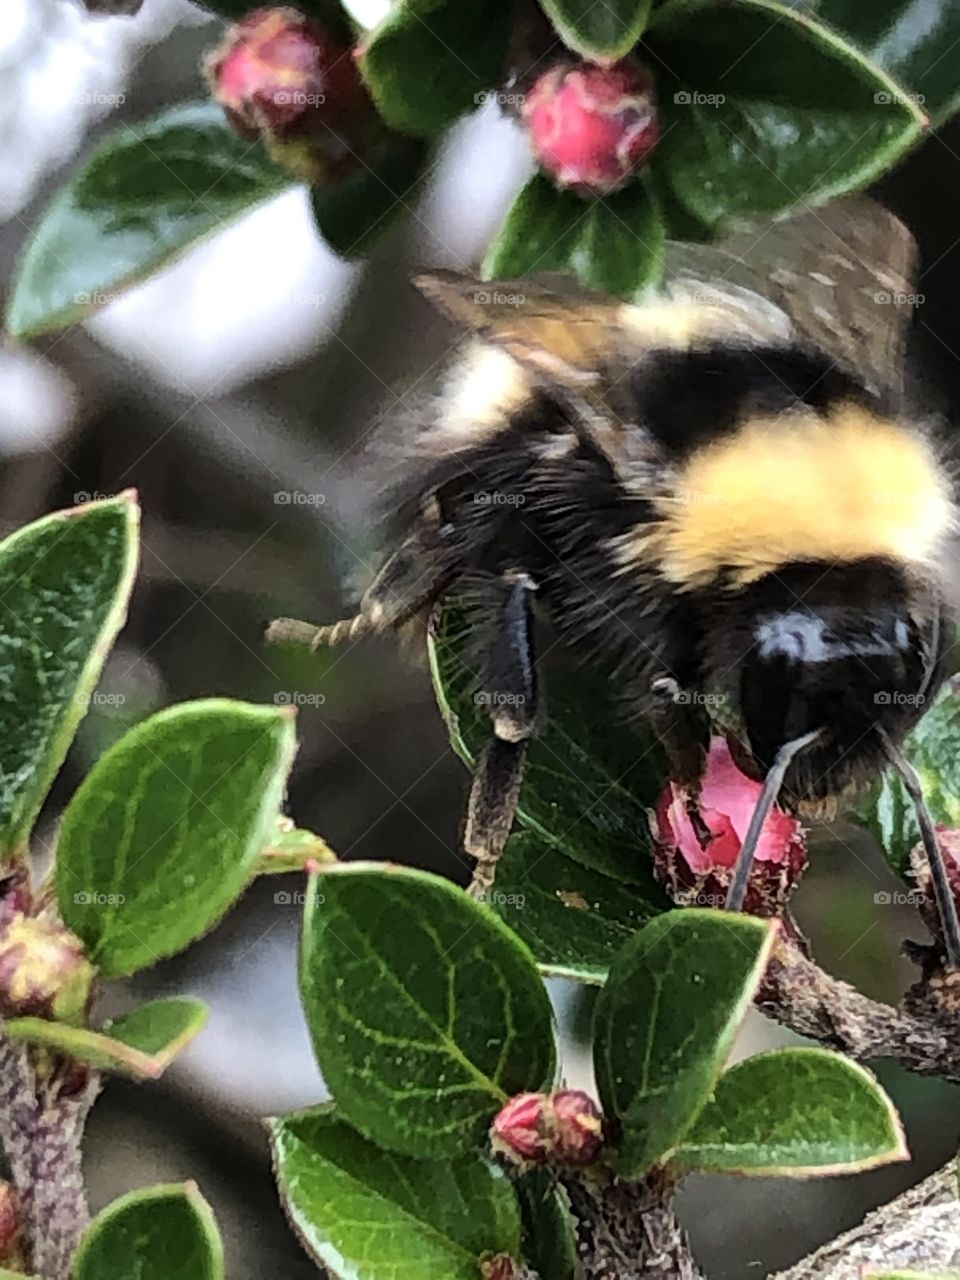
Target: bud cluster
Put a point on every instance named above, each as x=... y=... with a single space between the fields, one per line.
x=564 y=1127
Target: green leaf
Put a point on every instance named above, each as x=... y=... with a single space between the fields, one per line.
x=794 y=1113
x=430 y=61
x=290 y=849
x=167 y=828
x=64 y=585
x=665 y=1023
x=766 y=109
x=934 y=750
x=606 y=31
x=573 y=920
x=152 y=1234
x=149 y=191
x=141 y=1044
x=426 y=1012
x=354 y=213
x=364 y=1213
x=591 y=779
x=548 y=1236
x=912 y=40
x=615 y=245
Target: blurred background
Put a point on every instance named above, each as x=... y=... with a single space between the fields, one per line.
x=236 y=391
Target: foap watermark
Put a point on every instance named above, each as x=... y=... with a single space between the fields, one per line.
x=297 y=98
x=98 y=699
x=297 y=498
x=697 y=898
x=694 y=98
x=696 y=698
x=500 y=97
x=498 y=298
x=897 y=698
x=498 y=698
x=294 y=898
x=85 y=495
x=96 y=298
x=894 y=98
x=294 y=698
x=91 y=898
x=94 y=98
x=891 y=298
x=496 y=898
x=899 y=898
x=497 y=498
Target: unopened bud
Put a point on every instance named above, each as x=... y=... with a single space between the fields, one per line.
x=592 y=127
x=43 y=970
x=948 y=838
x=563 y=1127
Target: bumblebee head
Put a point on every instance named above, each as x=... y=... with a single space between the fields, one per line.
x=852 y=651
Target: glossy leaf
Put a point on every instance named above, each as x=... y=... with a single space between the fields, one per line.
x=430 y=61
x=794 y=1113
x=764 y=109
x=914 y=41
x=604 y=31
x=591 y=779
x=148 y=192
x=290 y=848
x=934 y=750
x=573 y=920
x=548 y=1235
x=363 y=1212
x=64 y=585
x=426 y=1012
x=141 y=1044
x=152 y=1235
x=615 y=245
x=665 y=1023
x=352 y=215
x=167 y=828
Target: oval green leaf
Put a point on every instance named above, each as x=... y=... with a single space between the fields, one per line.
x=167 y=829
x=915 y=43
x=615 y=245
x=591 y=779
x=794 y=1113
x=367 y=1214
x=548 y=1234
x=64 y=585
x=665 y=1023
x=141 y=1044
x=149 y=191
x=354 y=213
x=573 y=920
x=606 y=31
x=765 y=109
x=152 y=1234
x=430 y=61
x=426 y=1012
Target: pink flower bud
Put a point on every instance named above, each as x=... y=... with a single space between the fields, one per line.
x=592 y=127
x=43 y=969
x=11 y=1252
x=282 y=78
x=699 y=876
x=498 y=1266
x=563 y=1127
x=948 y=839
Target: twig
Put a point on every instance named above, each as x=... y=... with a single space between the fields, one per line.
x=923 y=1033
x=628 y=1231
x=920 y=1229
x=42 y=1116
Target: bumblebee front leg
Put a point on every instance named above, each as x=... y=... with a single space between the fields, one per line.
x=509 y=695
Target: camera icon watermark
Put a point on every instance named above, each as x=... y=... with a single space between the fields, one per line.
x=91 y=898
x=498 y=298
x=294 y=698
x=497 y=498
x=899 y=898
x=897 y=698
x=497 y=698
x=294 y=898
x=501 y=98
x=98 y=699
x=297 y=498
x=85 y=495
x=886 y=298
x=889 y=98
x=693 y=98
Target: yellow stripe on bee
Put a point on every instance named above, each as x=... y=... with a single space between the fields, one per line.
x=798 y=487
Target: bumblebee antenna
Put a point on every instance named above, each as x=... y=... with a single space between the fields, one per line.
x=942 y=892
x=737 y=891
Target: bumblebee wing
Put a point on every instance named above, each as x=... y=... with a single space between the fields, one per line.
x=842 y=274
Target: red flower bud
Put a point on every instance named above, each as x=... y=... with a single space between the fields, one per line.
x=563 y=1127
x=697 y=876
x=282 y=78
x=948 y=839
x=592 y=127
x=11 y=1252
x=498 y=1266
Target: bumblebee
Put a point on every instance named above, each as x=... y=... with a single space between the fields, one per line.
x=717 y=487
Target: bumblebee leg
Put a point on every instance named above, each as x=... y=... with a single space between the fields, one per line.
x=509 y=694
x=682 y=733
